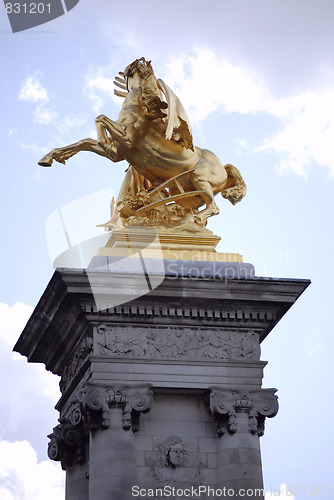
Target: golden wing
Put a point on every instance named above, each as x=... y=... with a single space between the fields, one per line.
x=178 y=125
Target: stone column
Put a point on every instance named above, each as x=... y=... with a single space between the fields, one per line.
x=240 y=416
x=113 y=413
x=112 y=469
x=95 y=440
x=67 y=446
x=77 y=482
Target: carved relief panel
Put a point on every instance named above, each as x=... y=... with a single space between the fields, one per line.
x=176 y=343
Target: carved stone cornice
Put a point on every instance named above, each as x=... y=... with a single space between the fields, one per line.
x=67 y=308
x=225 y=404
x=212 y=314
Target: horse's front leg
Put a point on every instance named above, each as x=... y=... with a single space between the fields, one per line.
x=118 y=132
x=63 y=154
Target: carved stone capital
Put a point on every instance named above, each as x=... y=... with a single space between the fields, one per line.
x=226 y=403
x=138 y=400
x=67 y=444
x=94 y=402
x=90 y=411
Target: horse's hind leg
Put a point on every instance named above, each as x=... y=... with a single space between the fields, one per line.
x=208 y=198
x=63 y=154
x=200 y=182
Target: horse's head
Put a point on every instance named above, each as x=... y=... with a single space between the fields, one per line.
x=138 y=70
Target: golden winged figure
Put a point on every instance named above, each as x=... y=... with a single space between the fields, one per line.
x=153 y=134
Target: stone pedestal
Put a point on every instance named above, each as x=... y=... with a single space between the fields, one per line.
x=161 y=389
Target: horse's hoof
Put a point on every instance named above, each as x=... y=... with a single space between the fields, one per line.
x=99 y=118
x=46 y=161
x=199 y=221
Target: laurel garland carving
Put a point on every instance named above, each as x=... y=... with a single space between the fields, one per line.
x=176 y=343
x=85 y=348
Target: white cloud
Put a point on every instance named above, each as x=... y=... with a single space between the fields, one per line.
x=98 y=85
x=206 y=84
x=314 y=342
x=316 y=348
x=23 y=477
x=307 y=134
x=33 y=91
x=11 y=132
x=13 y=320
x=101 y=83
x=97 y=101
x=70 y=122
x=28 y=396
x=39 y=150
x=44 y=116
x=283 y=492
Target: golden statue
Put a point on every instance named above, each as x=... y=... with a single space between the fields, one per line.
x=169 y=178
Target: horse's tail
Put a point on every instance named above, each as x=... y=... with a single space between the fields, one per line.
x=235 y=188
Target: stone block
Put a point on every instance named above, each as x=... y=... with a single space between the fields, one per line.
x=210 y=429
x=77 y=488
x=105 y=468
x=212 y=462
x=175 y=407
x=244 y=456
x=208 y=476
x=237 y=471
x=167 y=428
x=208 y=444
x=143 y=442
x=139 y=459
x=120 y=486
x=178 y=374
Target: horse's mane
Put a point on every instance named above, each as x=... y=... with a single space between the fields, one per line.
x=149 y=97
x=141 y=66
x=150 y=92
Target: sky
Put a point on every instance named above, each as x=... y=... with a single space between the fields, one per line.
x=257 y=80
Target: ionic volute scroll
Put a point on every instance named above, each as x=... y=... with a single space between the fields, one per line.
x=138 y=400
x=67 y=444
x=95 y=401
x=225 y=404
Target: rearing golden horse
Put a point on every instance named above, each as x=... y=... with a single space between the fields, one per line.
x=153 y=134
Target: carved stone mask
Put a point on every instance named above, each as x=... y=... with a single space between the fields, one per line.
x=176 y=454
